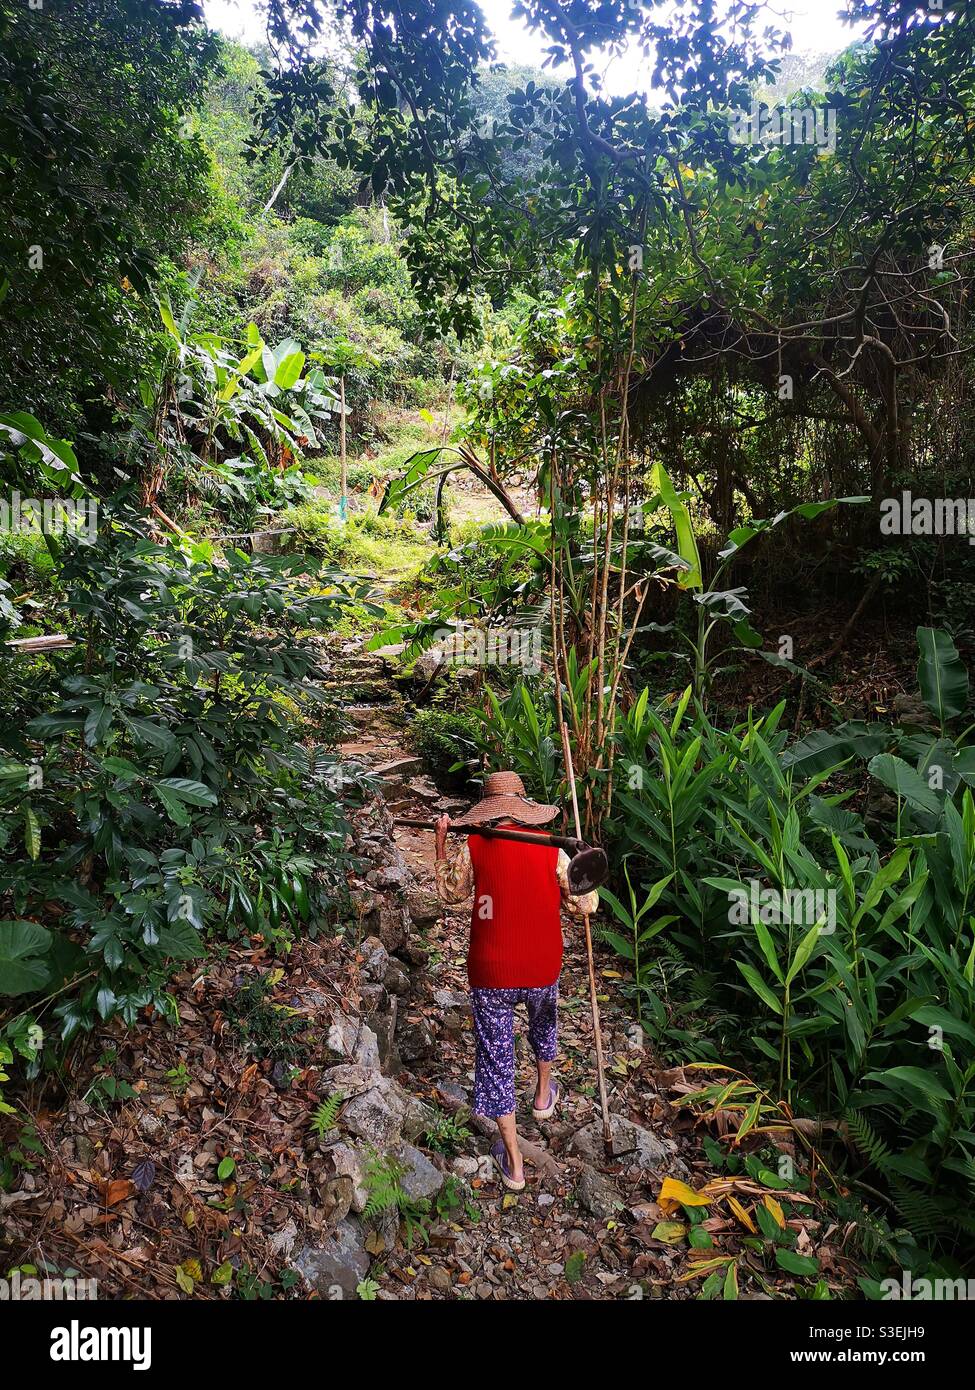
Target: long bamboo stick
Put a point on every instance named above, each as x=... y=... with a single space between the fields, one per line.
x=594 y=1002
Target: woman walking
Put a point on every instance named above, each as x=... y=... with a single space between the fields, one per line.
x=515 y=951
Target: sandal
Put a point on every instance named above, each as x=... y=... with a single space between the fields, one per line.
x=500 y=1157
x=546 y=1113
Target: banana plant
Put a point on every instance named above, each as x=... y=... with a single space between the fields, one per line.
x=207 y=398
x=420 y=468
x=922 y=766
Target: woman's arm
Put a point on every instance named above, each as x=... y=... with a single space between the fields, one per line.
x=455 y=876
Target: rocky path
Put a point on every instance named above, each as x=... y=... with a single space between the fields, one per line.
x=582 y=1226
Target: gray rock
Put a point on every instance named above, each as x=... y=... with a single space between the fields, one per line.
x=468 y=1167
x=150 y=1124
x=465 y=1167
x=389 y=876
x=649 y=1150
x=335 y=1268
x=382 y=1021
x=392 y=924
x=450 y=999
x=424 y=789
x=414 y=954
x=394 y=770
x=386 y=1225
x=396 y=980
x=452 y=1093
x=377 y=1109
x=350 y=1161
x=433 y=662
x=373 y=997
x=418 y=1117
x=597 y=1195
x=421 y=1179
x=424 y=907
x=454 y=1007
x=415 y=1039
x=375 y=959
x=335 y=1199
x=439 y=1278
x=373 y=1117
x=912 y=711
x=351 y=1039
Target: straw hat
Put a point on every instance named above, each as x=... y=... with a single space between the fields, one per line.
x=503 y=798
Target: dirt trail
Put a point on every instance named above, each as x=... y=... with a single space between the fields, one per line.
x=582 y=1227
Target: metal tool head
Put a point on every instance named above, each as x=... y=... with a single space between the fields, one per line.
x=587 y=870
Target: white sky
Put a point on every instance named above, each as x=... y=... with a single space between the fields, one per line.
x=816 y=27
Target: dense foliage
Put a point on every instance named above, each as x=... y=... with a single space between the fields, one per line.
x=686 y=369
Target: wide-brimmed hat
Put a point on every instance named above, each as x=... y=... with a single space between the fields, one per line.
x=503 y=798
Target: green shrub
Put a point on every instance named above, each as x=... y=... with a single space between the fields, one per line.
x=446 y=741
x=163 y=788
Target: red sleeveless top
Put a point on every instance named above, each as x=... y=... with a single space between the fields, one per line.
x=516 y=925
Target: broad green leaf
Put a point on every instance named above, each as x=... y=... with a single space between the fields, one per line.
x=32 y=833
x=793 y=1263
x=289 y=370
x=819 y=751
x=941 y=674
x=901 y=778
x=686 y=543
x=22 y=944
x=184 y=789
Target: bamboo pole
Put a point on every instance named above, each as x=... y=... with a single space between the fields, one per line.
x=594 y=1002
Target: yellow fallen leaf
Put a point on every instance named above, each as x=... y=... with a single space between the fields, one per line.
x=611 y=975
x=675 y=1194
x=776 y=1211
x=704 y=1267
x=742 y=1214
x=508 y=1201
x=670 y=1232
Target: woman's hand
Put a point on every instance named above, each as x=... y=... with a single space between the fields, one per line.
x=441 y=827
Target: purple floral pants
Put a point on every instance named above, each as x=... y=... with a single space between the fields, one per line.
x=494 y=1034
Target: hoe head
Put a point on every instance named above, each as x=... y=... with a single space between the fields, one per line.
x=588 y=868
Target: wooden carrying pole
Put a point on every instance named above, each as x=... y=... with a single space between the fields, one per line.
x=492 y=832
x=596 y=1026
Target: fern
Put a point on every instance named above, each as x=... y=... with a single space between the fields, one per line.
x=327 y=1113
x=384 y=1183
x=868 y=1142
x=925 y=1216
